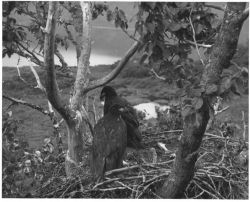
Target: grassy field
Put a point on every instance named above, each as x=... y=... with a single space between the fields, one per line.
x=136 y=85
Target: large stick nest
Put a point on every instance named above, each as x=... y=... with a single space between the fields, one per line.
x=222 y=172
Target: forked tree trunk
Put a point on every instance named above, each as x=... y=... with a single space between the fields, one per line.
x=74 y=113
x=195 y=123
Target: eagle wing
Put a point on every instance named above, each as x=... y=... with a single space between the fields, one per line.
x=109 y=144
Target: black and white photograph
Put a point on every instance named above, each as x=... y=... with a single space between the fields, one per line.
x=125 y=99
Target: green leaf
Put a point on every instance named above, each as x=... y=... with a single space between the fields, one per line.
x=198 y=28
x=225 y=84
x=122 y=15
x=182 y=4
x=151 y=4
x=174 y=26
x=143 y=58
x=187 y=110
x=150 y=27
x=109 y=15
x=198 y=102
x=139 y=27
x=195 y=92
x=210 y=89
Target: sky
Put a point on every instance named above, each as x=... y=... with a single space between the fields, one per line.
x=109 y=44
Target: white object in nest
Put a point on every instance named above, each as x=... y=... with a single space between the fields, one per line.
x=149 y=109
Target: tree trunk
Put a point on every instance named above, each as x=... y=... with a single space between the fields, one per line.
x=196 y=122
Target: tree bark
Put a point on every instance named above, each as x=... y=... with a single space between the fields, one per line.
x=195 y=123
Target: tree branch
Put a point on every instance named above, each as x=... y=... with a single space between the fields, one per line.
x=61 y=59
x=195 y=42
x=31 y=53
x=83 y=55
x=224 y=47
x=39 y=84
x=36 y=107
x=157 y=76
x=102 y=81
x=19 y=74
x=215 y=7
x=245 y=14
x=49 y=46
x=198 y=44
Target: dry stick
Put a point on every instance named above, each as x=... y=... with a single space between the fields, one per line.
x=198 y=44
x=39 y=84
x=244 y=126
x=19 y=74
x=94 y=110
x=205 y=190
x=208 y=185
x=220 y=111
x=167 y=131
x=195 y=197
x=152 y=181
x=197 y=48
x=105 y=182
x=125 y=186
x=215 y=7
x=159 y=77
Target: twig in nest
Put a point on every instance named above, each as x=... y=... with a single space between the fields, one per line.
x=112 y=189
x=209 y=186
x=125 y=186
x=121 y=170
x=209 y=193
x=197 y=196
x=105 y=182
x=166 y=131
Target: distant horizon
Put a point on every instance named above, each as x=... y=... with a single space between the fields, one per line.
x=95 y=59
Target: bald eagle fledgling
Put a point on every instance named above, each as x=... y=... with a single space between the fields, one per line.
x=109 y=142
x=110 y=97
